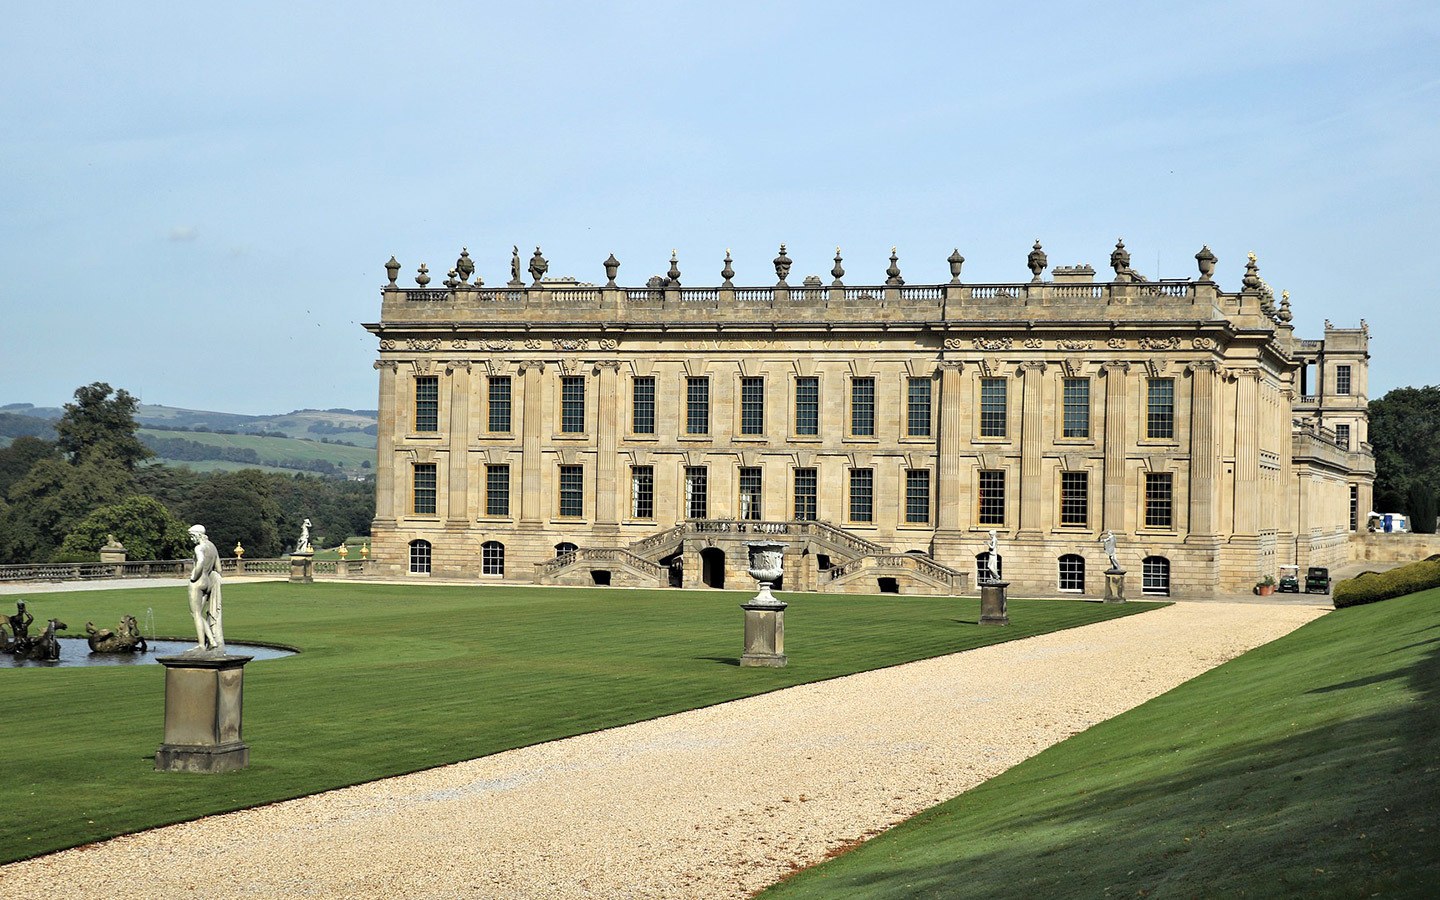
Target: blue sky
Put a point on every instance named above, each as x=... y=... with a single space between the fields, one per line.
x=198 y=202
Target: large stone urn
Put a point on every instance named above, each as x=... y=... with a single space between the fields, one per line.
x=765 y=614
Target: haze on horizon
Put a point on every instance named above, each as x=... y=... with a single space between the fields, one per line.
x=199 y=201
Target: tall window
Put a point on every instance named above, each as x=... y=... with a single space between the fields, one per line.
x=697 y=405
x=862 y=407
x=1160 y=409
x=572 y=404
x=1077 y=408
x=572 y=491
x=917 y=407
x=500 y=404
x=807 y=405
x=992 y=407
x=917 y=496
x=862 y=495
x=1074 y=498
x=752 y=405
x=1354 y=508
x=697 y=492
x=805 y=495
x=1342 y=379
x=642 y=492
x=1342 y=437
x=492 y=558
x=420 y=557
x=1159 y=500
x=497 y=490
x=1072 y=573
x=427 y=403
x=992 y=498
x=750 y=493
x=642 y=407
x=422 y=492
x=1155 y=576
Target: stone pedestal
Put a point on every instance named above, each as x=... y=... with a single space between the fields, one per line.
x=1114 y=585
x=764 y=634
x=203 y=699
x=993 y=603
x=302 y=568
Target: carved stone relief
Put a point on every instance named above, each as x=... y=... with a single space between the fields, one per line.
x=1116 y=343
x=1074 y=344
x=1203 y=343
x=1168 y=343
x=1002 y=343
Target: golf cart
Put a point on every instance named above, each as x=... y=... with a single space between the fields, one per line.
x=1289 y=580
x=1317 y=580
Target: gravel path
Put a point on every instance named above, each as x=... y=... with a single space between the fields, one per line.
x=718 y=802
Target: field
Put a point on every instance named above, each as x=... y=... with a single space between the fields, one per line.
x=1307 y=767
x=271 y=451
x=395 y=679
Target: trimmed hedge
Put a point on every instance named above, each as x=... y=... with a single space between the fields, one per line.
x=1371 y=587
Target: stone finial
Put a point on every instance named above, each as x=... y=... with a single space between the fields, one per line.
x=423 y=278
x=1120 y=260
x=239 y=551
x=1037 y=261
x=728 y=272
x=612 y=268
x=956 y=262
x=1206 y=259
x=892 y=272
x=451 y=281
x=782 y=267
x=838 y=270
x=672 y=277
x=464 y=266
x=1364 y=326
x=1285 y=315
x=515 y=267
x=392 y=268
x=1251 y=281
x=538 y=266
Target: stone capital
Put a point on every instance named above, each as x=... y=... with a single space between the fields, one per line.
x=1034 y=365
x=1202 y=365
x=390 y=364
x=524 y=365
x=1115 y=367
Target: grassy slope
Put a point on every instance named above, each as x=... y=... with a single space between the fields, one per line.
x=399 y=678
x=271 y=449
x=1307 y=767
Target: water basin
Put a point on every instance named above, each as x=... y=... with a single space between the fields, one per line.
x=75 y=652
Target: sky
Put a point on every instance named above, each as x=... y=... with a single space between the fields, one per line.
x=197 y=201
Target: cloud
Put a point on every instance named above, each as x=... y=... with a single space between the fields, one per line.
x=184 y=234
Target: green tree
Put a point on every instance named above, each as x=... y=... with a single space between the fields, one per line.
x=1421 y=507
x=16 y=459
x=101 y=426
x=143 y=524
x=1405 y=432
x=54 y=496
x=235 y=506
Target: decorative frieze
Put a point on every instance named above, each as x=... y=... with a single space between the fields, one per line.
x=1116 y=343
x=570 y=345
x=1165 y=343
x=1074 y=344
x=1203 y=343
x=1033 y=343
x=1000 y=343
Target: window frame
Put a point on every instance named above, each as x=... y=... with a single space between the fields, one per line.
x=422 y=557
x=697 y=406
x=570 y=491
x=499 y=407
x=1160 y=408
x=1075 y=410
x=912 y=408
x=642 y=405
x=572 y=404
x=497 y=502
x=805 y=504
x=492 y=559
x=752 y=406
x=806 y=422
x=994 y=422
x=1070 y=572
x=867 y=494
x=694 y=477
x=419 y=490
x=1159 y=512
x=427 y=404
x=990 y=498
x=1075 y=510
x=862 y=406
x=750 y=494
x=913 y=485
x=642 y=492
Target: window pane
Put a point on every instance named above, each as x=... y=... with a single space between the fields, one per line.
x=1077 y=408
x=805 y=493
x=427 y=403
x=1342 y=379
x=917 y=416
x=500 y=404
x=917 y=496
x=992 y=498
x=1342 y=437
x=1072 y=572
x=1160 y=417
x=642 y=492
x=1158 y=500
x=572 y=491
x=497 y=490
x=750 y=493
x=697 y=497
x=420 y=557
x=1074 y=498
x=862 y=495
x=862 y=407
x=423 y=492
x=572 y=404
x=992 y=407
x=492 y=558
x=807 y=406
x=752 y=406
x=643 y=407
x=697 y=405
x=1155 y=575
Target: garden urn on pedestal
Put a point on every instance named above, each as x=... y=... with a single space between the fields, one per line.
x=765 y=615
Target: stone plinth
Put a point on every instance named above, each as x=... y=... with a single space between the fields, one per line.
x=764 y=634
x=203 y=699
x=993 y=603
x=1114 y=585
x=302 y=567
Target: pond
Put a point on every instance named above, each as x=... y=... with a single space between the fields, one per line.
x=75 y=652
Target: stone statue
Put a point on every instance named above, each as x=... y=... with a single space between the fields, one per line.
x=538 y=266
x=992 y=558
x=515 y=265
x=46 y=646
x=126 y=639
x=205 y=594
x=20 y=623
x=1108 y=540
x=1120 y=262
x=303 y=544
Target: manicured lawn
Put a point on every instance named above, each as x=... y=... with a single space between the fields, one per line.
x=1307 y=767
x=399 y=678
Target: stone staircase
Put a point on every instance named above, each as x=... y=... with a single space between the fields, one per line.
x=921 y=574
x=623 y=568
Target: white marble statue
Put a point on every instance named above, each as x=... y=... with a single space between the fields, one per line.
x=1108 y=540
x=205 y=593
x=303 y=545
x=992 y=558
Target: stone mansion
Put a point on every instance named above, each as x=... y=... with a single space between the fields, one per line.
x=549 y=431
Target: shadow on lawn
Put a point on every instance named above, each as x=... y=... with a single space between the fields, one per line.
x=725 y=660
x=1341 y=810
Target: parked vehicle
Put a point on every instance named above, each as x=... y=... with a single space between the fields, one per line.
x=1317 y=580
x=1289 y=580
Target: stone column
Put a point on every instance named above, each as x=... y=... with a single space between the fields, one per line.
x=607 y=482
x=1247 y=453
x=951 y=506
x=1204 y=450
x=385 y=445
x=458 y=508
x=531 y=493
x=1117 y=376
x=1032 y=439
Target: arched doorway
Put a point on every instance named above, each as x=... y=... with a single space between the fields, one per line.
x=712 y=567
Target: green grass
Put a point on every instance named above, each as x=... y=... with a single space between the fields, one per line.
x=394 y=679
x=276 y=449
x=1307 y=767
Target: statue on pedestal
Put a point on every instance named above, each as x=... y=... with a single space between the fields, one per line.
x=992 y=558
x=1108 y=541
x=303 y=544
x=205 y=594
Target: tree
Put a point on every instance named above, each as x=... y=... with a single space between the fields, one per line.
x=97 y=426
x=20 y=456
x=143 y=524
x=236 y=507
x=54 y=496
x=1421 y=507
x=1405 y=432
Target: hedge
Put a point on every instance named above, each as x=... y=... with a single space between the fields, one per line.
x=1371 y=587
